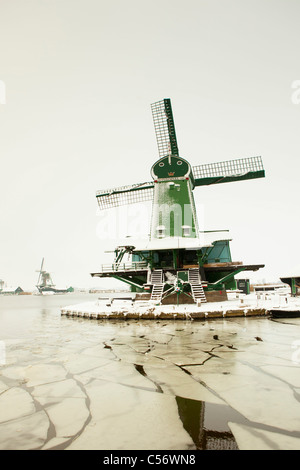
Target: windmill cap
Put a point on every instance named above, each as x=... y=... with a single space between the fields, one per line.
x=171 y=166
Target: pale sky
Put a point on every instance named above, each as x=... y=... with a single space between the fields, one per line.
x=79 y=78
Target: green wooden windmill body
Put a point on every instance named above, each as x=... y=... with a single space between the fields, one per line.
x=174 y=208
x=180 y=262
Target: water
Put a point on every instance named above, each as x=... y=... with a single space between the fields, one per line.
x=72 y=383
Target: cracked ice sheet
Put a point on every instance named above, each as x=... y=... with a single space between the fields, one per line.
x=238 y=384
x=80 y=363
x=179 y=356
x=130 y=356
x=3 y=387
x=174 y=381
x=83 y=339
x=161 y=369
x=117 y=372
x=54 y=390
x=36 y=374
x=15 y=403
x=68 y=415
x=127 y=418
x=287 y=373
x=27 y=433
x=251 y=438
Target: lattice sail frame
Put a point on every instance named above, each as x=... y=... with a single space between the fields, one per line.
x=164 y=128
x=231 y=170
x=207 y=174
x=124 y=195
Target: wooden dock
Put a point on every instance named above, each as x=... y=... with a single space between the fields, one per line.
x=156 y=313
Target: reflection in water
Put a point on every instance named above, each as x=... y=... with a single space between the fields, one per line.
x=196 y=417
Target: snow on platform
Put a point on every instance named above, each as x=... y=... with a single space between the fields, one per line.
x=236 y=305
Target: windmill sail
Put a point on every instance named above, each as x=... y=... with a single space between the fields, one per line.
x=228 y=171
x=40 y=272
x=125 y=195
x=164 y=127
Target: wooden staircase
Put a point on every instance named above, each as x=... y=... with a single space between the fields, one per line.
x=157 y=276
x=157 y=292
x=196 y=286
x=158 y=285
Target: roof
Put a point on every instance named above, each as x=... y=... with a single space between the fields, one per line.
x=292 y=272
x=9 y=289
x=173 y=243
x=215 y=236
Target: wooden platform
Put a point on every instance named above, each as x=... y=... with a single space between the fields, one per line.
x=159 y=313
x=230 y=267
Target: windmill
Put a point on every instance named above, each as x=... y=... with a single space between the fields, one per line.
x=45 y=283
x=179 y=262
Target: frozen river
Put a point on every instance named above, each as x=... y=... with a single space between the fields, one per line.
x=72 y=383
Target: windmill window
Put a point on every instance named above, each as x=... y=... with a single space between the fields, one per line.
x=161 y=164
x=179 y=162
x=186 y=230
x=161 y=231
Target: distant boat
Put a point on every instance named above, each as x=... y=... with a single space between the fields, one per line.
x=288 y=312
x=45 y=284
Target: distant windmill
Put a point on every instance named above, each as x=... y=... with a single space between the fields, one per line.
x=44 y=279
x=45 y=283
x=178 y=258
